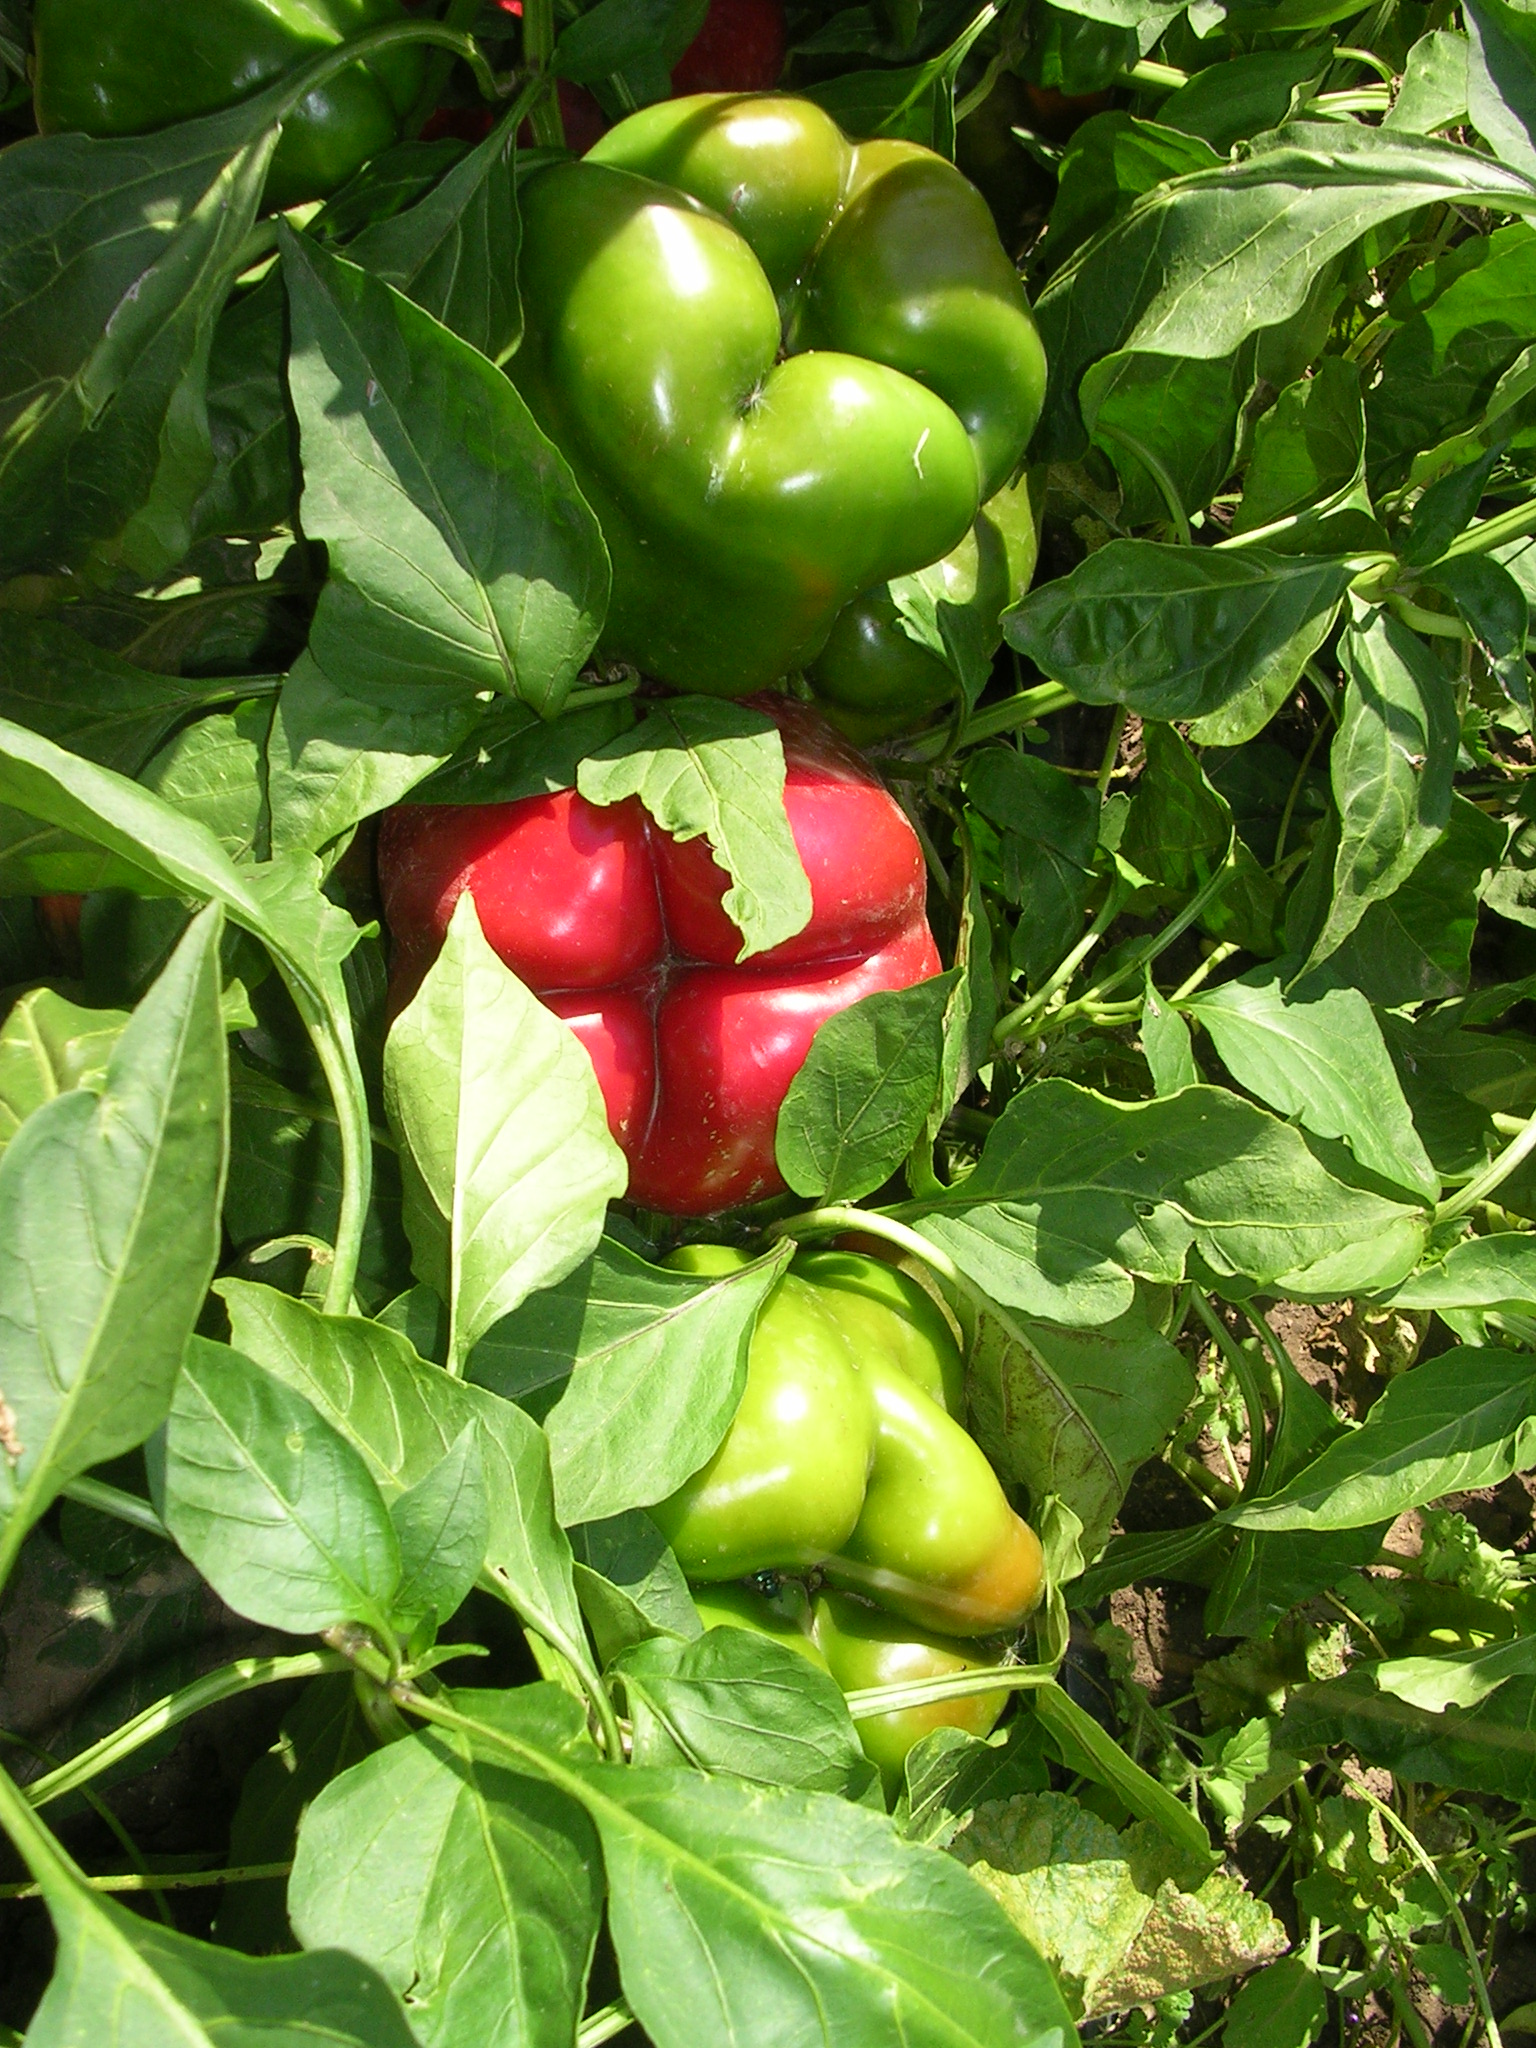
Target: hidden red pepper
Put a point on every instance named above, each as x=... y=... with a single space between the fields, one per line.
x=620 y=929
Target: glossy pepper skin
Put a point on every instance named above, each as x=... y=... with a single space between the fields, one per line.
x=620 y=930
x=127 y=67
x=863 y=1647
x=872 y=679
x=936 y=1540
x=787 y=1484
x=784 y=370
x=785 y=1614
x=883 y=1309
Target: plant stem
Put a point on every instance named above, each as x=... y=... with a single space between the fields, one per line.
x=459 y=16
x=600 y=693
x=1161 y=941
x=1247 y=1380
x=162 y=1881
x=603 y=2024
x=1436 y=624
x=538 y=48
x=330 y=1033
x=1020 y=709
x=1154 y=77
x=866 y=1702
x=1017 y=1019
x=111 y=1500
x=1493 y=1175
x=1167 y=489
x=1217 y=957
x=242 y=1676
x=1514 y=524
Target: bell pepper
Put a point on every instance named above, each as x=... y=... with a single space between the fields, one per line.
x=838 y=1459
x=620 y=930
x=783 y=1613
x=127 y=67
x=784 y=369
x=872 y=679
x=863 y=1648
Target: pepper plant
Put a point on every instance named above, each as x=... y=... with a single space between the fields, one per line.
x=325 y=1314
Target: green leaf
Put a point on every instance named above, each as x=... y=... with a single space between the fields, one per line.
x=1181 y=831
x=455 y=251
x=115 y=257
x=509 y=1163
x=865 y=1093
x=629 y=1584
x=1463 y=1420
x=49 y=1045
x=87 y=698
x=108 y=1236
x=1308 y=450
x=949 y=1774
x=1111 y=161
x=1049 y=827
x=1489 y=1748
x=1433 y=92
x=212 y=771
x=647 y=1367
x=462 y=556
x=1227 y=102
x=513 y=754
x=1501 y=79
x=1496 y=608
x=1283 y=2006
x=124 y=1981
x=1498 y=1271
x=401 y=1416
x=1390 y=765
x=1319 y=1057
x=473 y=1890
x=1088 y=1751
x=1417 y=943
x=1462 y=1680
x=1173 y=632
x=1075 y=1193
x=634 y=36
x=1118 y=1929
x=1072 y=1412
x=703 y=766
x=728 y=1901
x=1207 y=259
x=441 y=1524
x=250 y=420
x=1166 y=1042
x=735 y=1701
x=277 y=1511
x=1166 y=421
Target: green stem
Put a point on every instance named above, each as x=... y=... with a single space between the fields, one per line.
x=1146 y=954
x=866 y=1702
x=372 y=41
x=828 y=1222
x=1168 y=490
x=1021 y=709
x=1416 y=1850
x=1247 y=1380
x=43 y=1856
x=603 y=2024
x=538 y=50
x=1295 y=791
x=1217 y=957
x=600 y=693
x=459 y=16
x=1017 y=1019
x=330 y=1033
x=1436 y=624
x=1154 y=77
x=1514 y=524
x=242 y=1676
x=1493 y=1175
x=162 y=1881
x=111 y=1500
x=1111 y=751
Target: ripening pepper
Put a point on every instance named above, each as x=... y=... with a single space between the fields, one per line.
x=128 y=67
x=784 y=369
x=838 y=1459
x=619 y=929
x=872 y=679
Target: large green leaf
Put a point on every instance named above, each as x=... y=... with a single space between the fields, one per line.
x=1173 y=632
x=87 y=698
x=108 y=1236
x=462 y=556
x=648 y=1366
x=1205 y=260
x=509 y=1162
x=115 y=257
x=706 y=767
x=475 y=1892
x=274 y=1507
x=1501 y=79
x=402 y=1416
x=1321 y=1058
x=1488 y=1748
x=1462 y=1420
x=1481 y=1272
x=867 y=1089
x=1391 y=765
x=49 y=1045
x=1074 y=1194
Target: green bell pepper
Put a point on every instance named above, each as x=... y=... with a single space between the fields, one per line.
x=872 y=679
x=784 y=368
x=127 y=67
